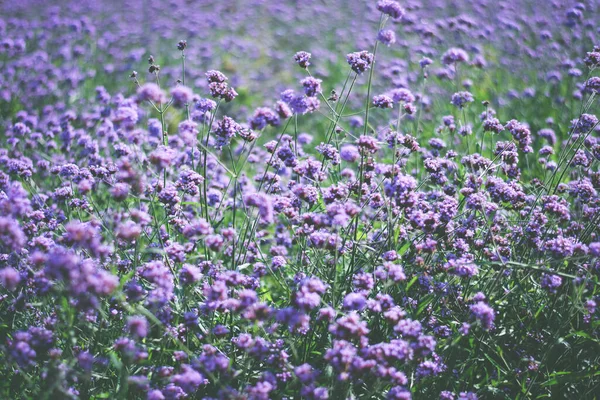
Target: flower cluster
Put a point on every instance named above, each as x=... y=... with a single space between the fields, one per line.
x=350 y=227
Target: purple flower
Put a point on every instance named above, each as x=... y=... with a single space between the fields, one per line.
x=455 y=56
x=188 y=379
x=225 y=131
x=593 y=84
x=189 y=274
x=559 y=247
x=387 y=37
x=464 y=329
x=592 y=58
x=584 y=124
x=197 y=228
x=214 y=76
x=549 y=135
x=262 y=117
x=521 y=134
x=161 y=277
x=305 y=373
x=349 y=327
x=484 y=314
x=354 y=301
x=408 y=328
x=308 y=295
x=182 y=95
x=302 y=58
x=214 y=242
x=283 y=110
x=391 y=8
x=594 y=249
x=425 y=62
x=402 y=95
x=492 y=125
x=349 y=153
x=360 y=61
x=303 y=104
x=399 y=393
x=264 y=204
x=151 y=92
x=460 y=99
x=356 y=121
x=9 y=278
x=383 y=101
x=205 y=105
x=12 y=237
x=138 y=326
x=368 y=144
x=551 y=282
x=312 y=86
x=20 y=349
x=329 y=152
x=218 y=87
x=446 y=395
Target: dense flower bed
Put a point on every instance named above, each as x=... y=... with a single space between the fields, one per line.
x=299 y=200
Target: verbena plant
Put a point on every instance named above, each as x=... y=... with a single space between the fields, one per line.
x=416 y=244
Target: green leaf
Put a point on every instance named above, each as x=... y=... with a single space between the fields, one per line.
x=412 y=282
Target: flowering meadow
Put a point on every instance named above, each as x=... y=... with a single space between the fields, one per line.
x=299 y=199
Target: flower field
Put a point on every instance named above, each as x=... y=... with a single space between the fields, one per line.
x=299 y=199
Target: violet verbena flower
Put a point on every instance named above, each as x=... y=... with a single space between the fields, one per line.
x=391 y=8
x=262 y=117
x=138 y=326
x=12 y=237
x=455 y=56
x=383 y=101
x=302 y=58
x=551 y=282
x=461 y=99
x=349 y=153
x=360 y=61
x=387 y=37
x=225 y=130
x=182 y=95
x=9 y=278
x=312 y=86
x=484 y=314
x=151 y=92
x=402 y=95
